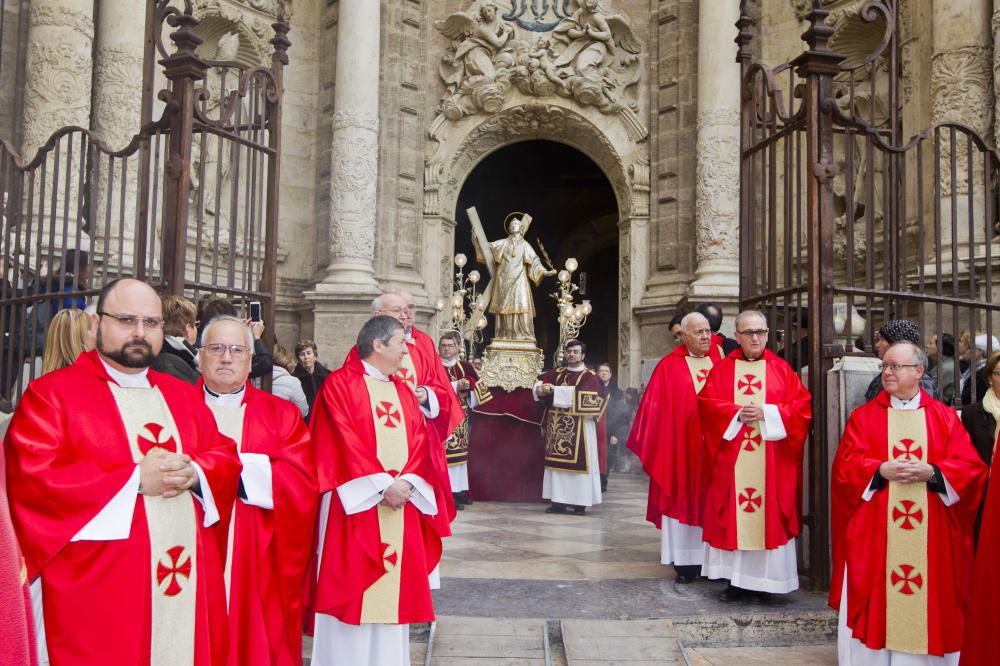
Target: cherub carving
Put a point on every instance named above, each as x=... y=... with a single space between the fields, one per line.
x=476 y=69
x=590 y=61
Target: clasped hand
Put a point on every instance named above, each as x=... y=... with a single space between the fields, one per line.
x=906 y=471
x=397 y=495
x=167 y=474
x=751 y=413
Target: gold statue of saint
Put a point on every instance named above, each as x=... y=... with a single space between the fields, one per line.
x=509 y=292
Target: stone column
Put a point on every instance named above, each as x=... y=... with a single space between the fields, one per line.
x=121 y=27
x=718 y=174
x=962 y=91
x=118 y=71
x=58 y=69
x=355 y=149
x=340 y=300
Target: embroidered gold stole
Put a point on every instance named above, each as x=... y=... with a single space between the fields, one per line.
x=173 y=530
x=907 y=531
x=750 y=387
x=380 y=604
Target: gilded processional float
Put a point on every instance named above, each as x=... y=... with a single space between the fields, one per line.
x=506 y=447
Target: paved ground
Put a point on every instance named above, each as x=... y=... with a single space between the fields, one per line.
x=518 y=584
x=594 y=584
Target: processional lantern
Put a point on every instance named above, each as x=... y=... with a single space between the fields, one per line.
x=572 y=316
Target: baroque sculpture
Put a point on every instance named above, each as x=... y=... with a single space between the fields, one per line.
x=509 y=293
x=591 y=56
x=512 y=359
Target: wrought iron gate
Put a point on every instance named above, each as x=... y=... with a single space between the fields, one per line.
x=845 y=223
x=190 y=205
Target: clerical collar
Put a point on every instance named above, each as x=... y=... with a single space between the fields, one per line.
x=408 y=335
x=374 y=372
x=899 y=403
x=234 y=399
x=752 y=360
x=579 y=367
x=448 y=362
x=128 y=380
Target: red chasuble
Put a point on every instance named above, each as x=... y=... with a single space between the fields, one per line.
x=17 y=634
x=908 y=556
x=423 y=367
x=68 y=455
x=270 y=549
x=375 y=563
x=458 y=446
x=667 y=437
x=982 y=619
x=744 y=477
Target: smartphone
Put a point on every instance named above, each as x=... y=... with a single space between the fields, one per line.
x=255 y=311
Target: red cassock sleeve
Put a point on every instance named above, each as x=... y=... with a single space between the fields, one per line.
x=859 y=528
x=275 y=428
x=981 y=644
x=666 y=435
x=344 y=438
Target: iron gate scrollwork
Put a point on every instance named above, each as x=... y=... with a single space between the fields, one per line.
x=845 y=223
x=190 y=205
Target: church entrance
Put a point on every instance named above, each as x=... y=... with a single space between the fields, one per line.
x=574 y=214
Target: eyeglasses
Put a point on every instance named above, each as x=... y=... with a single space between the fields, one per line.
x=218 y=349
x=756 y=333
x=129 y=321
x=896 y=367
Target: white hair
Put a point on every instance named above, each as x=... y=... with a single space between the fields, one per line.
x=749 y=313
x=223 y=318
x=688 y=318
x=377 y=304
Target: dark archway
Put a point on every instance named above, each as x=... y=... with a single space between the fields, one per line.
x=575 y=214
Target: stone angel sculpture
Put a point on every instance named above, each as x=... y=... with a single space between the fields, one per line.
x=599 y=46
x=476 y=70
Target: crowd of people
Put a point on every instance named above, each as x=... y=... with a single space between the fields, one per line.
x=161 y=503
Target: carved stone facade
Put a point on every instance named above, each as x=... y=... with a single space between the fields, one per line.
x=58 y=69
x=385 y=120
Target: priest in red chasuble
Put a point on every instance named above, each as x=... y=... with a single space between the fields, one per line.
x=120 y=488
x=463 y=380
x=905 y=486
x=755 y=414
x=380 y=524
x=425 y=375
x=667 y=437
x=275 y=515
x=981 y=644
x=572 y=478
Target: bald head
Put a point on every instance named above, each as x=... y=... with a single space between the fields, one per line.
x=390 y=305
x=696 y=333
x=411 y=309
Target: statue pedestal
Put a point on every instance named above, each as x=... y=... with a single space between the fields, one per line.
x=511 y=364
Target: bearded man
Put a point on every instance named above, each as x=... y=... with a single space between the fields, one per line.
x=120 y=488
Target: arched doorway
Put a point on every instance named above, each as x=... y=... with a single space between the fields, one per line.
x=575 y=214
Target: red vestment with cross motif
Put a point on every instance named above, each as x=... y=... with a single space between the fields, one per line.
x=354 y=554
x=271 y=547
x=782 y=494
x=861 y=529
x=67 y=457
x=667 y=437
